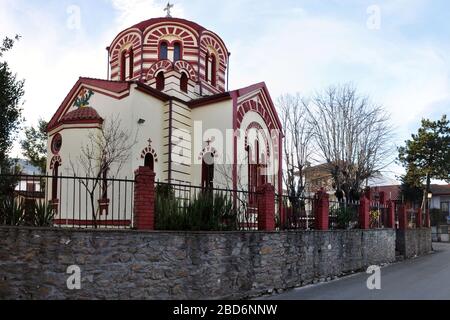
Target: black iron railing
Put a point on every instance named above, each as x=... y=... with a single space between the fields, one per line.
x=66 y=201
x=344 y=215
x=295 y=213
x=186 y=207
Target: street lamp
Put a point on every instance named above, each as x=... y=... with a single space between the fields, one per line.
x=430 y=196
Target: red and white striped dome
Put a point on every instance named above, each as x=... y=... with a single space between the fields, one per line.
x=167 y=45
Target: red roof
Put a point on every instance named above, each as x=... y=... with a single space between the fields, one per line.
x=82 y=114
x=117 y=87
x=147 y=23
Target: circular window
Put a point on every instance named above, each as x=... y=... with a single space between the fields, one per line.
x=56 y=143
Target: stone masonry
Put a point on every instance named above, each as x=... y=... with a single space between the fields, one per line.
x=180 y=265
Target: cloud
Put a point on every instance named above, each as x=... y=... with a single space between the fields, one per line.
x=131 y=12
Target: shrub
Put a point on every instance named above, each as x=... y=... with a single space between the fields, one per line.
x=206 y=212
x=11 y=211
x=345 y=216
x=43 y=214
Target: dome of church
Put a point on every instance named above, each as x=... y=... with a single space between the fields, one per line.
x=84 y=114
x=172 y=55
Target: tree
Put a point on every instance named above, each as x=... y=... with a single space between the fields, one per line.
x=11 y=93
x=352 y=135
x=297 y=147
x=35 y=145
x=427 y=155
x=297 y=150
x=107 y=150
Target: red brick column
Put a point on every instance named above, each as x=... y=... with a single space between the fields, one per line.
x=144 y=199
x=364 y=213
x=322 y=211
x=402 y=218
x=266 y=207
x=391 y=215
x=419 y=222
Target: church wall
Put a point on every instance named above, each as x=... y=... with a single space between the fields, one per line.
x=248 y=120
x=214 y=120
x=152 y=111
x=181 y=153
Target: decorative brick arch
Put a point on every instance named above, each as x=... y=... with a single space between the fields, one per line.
x=257 y=126
x=149 y=150
x=206 y=150
x=55 y=159
x=132 y=38
x=209 y=41
x=172 y=31
x=253 y=106
x=187 y=67
x=165 y=65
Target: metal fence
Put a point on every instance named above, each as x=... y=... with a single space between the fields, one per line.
x=298 y=212
x=66 y=201
x=187 y=207
x=344 y=215
x=379 y=215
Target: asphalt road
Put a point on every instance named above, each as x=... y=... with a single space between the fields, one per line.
x=424 y=278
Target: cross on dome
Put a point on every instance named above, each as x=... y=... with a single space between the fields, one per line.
x=168 y=8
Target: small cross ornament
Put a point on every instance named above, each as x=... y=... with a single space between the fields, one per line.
x=168 y=8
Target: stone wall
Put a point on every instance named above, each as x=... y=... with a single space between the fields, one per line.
x=163 y=265
x=414 y=242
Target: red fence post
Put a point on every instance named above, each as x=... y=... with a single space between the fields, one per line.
x=364 y=213
x=322 y=211
x=402 y=218
x=144 y=199
x=391 y=215
x=266 y=207
x=419 y=222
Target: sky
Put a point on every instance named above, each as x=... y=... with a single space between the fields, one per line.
x=395 y=51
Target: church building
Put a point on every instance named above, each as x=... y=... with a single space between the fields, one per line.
x=167 y=88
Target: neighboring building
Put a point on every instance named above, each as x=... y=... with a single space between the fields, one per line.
x=168 y=86
x=30 y=183
x=318 y=178
x=441 y=198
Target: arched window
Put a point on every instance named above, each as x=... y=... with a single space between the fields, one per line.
x=184 y=82
x=163 y=51
x=131 y=64
x=160 y=81
x=149 y=161
x=213 y=70
x=177 y=52
x=123 y=65
x=252 y=174
x=207 y=67
x=55 y=175
x=208 y=171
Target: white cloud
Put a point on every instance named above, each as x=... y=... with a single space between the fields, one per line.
x=134 y=11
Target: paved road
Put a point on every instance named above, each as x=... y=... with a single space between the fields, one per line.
x=424 y=278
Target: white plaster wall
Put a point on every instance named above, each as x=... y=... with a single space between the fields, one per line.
x=215 y=120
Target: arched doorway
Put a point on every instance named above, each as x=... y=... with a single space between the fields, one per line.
x=149 y=161
x=208 y=171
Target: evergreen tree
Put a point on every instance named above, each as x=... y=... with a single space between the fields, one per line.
x=427 y=155
x=34 y=146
